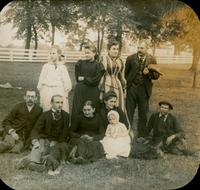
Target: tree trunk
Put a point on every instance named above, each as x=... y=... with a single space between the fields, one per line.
x=35 y=37
x=119 y=38
x=53 y=34
x=98 y=42
x=154 y=49
x=176 y=49
x=196 y=57
x=29 y=25
x=28 y=37
x=101 y=42
x=83 y=39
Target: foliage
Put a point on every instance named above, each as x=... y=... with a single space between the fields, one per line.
x=182 y=26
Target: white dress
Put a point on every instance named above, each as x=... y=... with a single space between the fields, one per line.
x=54 y=80
x=117 y=141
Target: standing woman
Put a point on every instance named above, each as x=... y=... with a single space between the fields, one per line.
x=113 y=78
x=88 y=73
x=54 y=79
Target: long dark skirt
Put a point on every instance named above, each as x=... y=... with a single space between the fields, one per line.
x=83 y=93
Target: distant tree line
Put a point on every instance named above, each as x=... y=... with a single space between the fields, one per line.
x=157 y=21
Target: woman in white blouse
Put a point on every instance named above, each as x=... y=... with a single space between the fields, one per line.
x=54 y=79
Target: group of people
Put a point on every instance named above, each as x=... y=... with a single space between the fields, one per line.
x=106 y=94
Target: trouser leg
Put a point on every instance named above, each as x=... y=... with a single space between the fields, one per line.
x=37 y=153
x=142 y=111
x=131 y=103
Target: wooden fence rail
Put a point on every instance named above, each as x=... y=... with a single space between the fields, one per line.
x=41 y=56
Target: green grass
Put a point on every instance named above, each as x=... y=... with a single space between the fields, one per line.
x=123 y=174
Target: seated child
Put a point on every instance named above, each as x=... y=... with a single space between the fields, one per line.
x=117 y=140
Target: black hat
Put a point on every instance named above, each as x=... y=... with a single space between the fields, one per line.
x=166 y=103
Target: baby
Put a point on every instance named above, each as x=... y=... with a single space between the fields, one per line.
x=117 y=140
x=115 y=128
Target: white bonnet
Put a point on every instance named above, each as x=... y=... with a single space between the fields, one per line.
x=115 y=113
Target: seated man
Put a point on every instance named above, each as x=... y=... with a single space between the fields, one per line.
x=18 y=124
x=167 y=134
x=51 y=128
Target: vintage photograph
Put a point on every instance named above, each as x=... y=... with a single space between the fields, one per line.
x=99 y=94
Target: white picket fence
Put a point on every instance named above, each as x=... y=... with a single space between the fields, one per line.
x=41 y=56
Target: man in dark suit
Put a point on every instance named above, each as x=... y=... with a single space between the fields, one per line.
x=19 y=123
x=51 y=128
x=167 y=133
x=139 y=85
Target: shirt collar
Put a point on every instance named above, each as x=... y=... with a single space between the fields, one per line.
x=29 y=107
x=165 y=116
x=53 y=110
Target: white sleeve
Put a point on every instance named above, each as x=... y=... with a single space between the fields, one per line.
x=42 y=76
x=66 y=79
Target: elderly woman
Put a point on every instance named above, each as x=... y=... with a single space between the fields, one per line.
x=113 y=78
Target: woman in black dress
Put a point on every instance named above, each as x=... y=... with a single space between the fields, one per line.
x=88 y=74
x=87 y=125
x=110 y=103
x=86 y=131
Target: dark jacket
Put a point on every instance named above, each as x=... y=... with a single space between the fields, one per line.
x=132 y=68
x=170 y=127
x=44 y=127
x=22 y=120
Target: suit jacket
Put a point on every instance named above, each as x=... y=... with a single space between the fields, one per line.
x=44 y=127
x=132 y=68
x=171 y=126
x=21 y=119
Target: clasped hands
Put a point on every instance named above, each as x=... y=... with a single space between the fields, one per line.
x=87 y=137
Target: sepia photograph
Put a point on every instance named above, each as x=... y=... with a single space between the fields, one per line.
x=99 y=94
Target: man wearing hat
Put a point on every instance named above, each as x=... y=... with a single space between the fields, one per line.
x=167 y=134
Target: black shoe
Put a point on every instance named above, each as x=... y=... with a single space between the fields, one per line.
x=23 y=164
x=187 y=152
x=36 y=167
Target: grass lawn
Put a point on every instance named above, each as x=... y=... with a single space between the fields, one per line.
x=123 y=174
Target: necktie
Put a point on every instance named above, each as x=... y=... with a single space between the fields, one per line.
x=57 y=115
x=162 y=117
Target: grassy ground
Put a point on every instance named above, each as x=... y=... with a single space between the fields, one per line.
x=123 y=174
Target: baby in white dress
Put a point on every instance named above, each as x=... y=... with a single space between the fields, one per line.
x=117 y=140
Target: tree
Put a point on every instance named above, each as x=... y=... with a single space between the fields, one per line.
x=149 y=14
x=183 y=27
x=108 y=18
x=20 y=14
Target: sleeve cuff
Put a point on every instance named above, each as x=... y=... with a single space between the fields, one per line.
x=11 y=131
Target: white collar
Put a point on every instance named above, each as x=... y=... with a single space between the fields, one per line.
x=53 y=110
x=30 y=107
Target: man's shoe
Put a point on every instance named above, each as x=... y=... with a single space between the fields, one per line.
x=187 y=152
x=36 y=167
x=23 y=164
